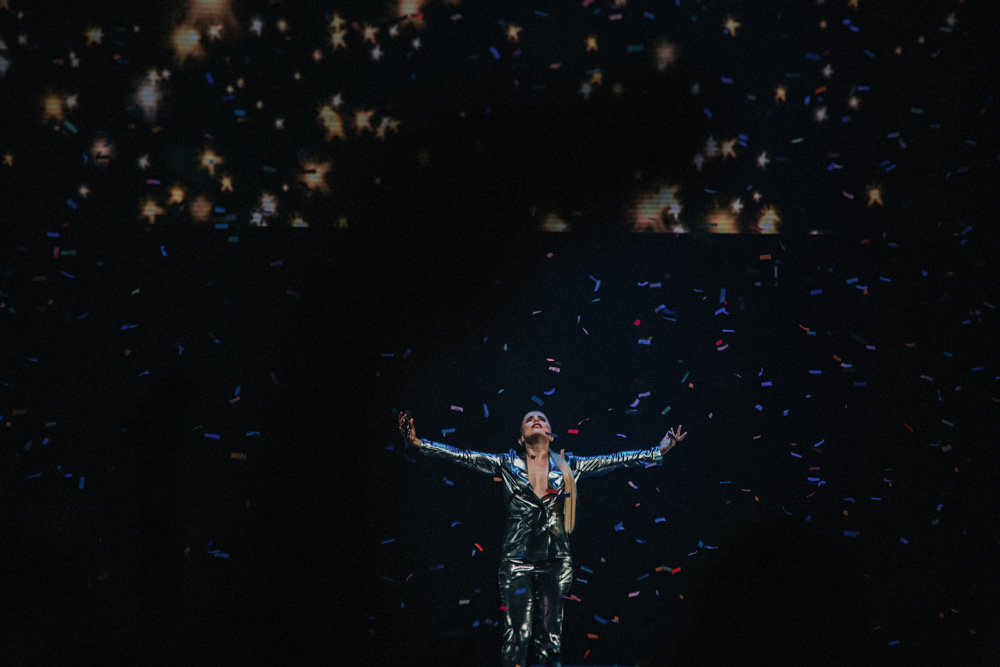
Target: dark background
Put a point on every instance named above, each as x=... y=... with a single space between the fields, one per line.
x=130 y=530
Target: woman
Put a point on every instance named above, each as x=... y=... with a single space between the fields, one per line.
x=536 y=569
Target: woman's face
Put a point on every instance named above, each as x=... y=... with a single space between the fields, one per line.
x=535 y=428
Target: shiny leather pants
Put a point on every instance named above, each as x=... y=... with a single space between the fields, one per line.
x=532 y=593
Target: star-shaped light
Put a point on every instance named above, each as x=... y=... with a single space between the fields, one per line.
x=512 y=32
x=762 y=160
x=297 y=221
x=597 y=78
x=666 y=54
x=369 y=33
x=201 y=208
x=257 y=219
x=52 y=108
x=176 y=195
x=377 y=53
x=731 y=25
x=185 y=42
x=279 y=123
x=852 y=3
x=71 y=101
x=779 y=94
x=874 y=195
x=314 y=176
x=820 y=114
x=951 y=20
x=585 y=90
x=736 y=206
x=768 y=221
x=144 y=162
x=416 y=44
x=393 y=30
x=83 y=191
x=727 y=148
x=827 y=71
x=591 y=43
x=282 y=25
x=149 y=209
x=337 y=100
x=209 y=160
x=651 y=209
x=854 y=102
x=756 y=196
x=227 y=183
x=8 y=159
x=711 y=147
x=152 y=76
x=331 y=120
x=362 y=120
x=336 y=22
x=94 y=35
x=215 y=32
x=268 y=204
x=342 y=221
x=698 y=161
x=337 y=40
x=257 y=26
x=166 y=75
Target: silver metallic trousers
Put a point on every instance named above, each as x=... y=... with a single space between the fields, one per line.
x=532 y=594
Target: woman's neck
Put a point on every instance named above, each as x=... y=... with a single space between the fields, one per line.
x=536 y=452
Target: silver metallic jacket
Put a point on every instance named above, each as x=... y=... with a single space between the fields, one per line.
x=535 y=525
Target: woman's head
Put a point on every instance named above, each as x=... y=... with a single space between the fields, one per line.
x=535 y=429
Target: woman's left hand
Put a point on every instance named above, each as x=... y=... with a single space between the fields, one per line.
x=672 y=437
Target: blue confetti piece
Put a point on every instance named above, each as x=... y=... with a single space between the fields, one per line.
x=72 y=204
x=812 y=56
x=81 y=482
x=221 y=555
x=542 y=14
x=619 y=527
x=602 y=621
x=538 y=400
x=649 y=16
x=520 y=591
x=486 y=411
x=659 y=520
x=239 y=112
x=598 y=285
x=212 y=436
x=163 y=251
x=446 y=431
x=722 y=295
x=685 y=377
x=68 y=275
x=586 y=569
x=850 y=533
x=635 y=48
x=496 y=54
x=643 y=341
x=766 y=384
x=211 y=81
x=391 y=539
x=815 y=372
x=869 y=54
x=448 y=481
x=894 y=642
x=728 y=481
x=815 y=292
x=707 y=112
x=726 y=79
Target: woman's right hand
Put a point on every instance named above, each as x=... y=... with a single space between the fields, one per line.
x=414 y=440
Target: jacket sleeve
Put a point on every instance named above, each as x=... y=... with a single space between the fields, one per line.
x=478 y=461
x=589 y=466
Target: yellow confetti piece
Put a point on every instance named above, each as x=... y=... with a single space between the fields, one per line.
x=238 y=455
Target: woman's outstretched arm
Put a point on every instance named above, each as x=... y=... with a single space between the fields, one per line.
x=479 y=461
x=591 y=465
